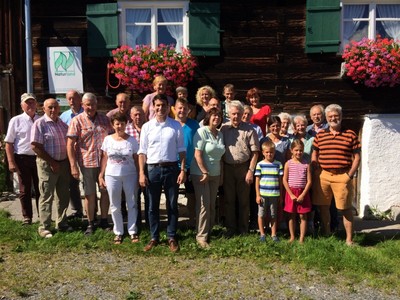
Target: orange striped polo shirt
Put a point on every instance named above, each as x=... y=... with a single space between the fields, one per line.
x=336 y=151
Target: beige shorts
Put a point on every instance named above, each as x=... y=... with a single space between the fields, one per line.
x=327 y=185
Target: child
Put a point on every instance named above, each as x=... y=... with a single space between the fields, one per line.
x=229 y=94
x=268 y=186
x=297 y=182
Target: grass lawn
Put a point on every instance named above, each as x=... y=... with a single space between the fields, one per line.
x=241 y=267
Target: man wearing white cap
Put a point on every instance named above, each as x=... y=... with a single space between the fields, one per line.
x=20 y=156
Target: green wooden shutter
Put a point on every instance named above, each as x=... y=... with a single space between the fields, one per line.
x=323 y=26
x=204 y=29
x=102 y=29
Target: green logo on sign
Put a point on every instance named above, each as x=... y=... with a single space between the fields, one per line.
x=64 y=63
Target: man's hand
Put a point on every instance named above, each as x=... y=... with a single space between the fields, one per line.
x=181 y=177
x=13 y=167
x=143 y=181
x=249 y=177
x=75 y=171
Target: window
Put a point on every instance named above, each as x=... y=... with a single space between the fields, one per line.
x=195 y=25
x=361 y=20
x=154 y=23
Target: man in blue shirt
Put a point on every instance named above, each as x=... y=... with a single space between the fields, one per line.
x=189 y=127
x=75 y=102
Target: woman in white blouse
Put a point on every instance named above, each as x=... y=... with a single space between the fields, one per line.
x=119 y=165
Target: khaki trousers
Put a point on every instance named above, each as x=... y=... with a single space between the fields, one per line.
x=53 y=186
x=206 y=195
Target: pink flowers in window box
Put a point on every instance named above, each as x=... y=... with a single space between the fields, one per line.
x=374 y=63
x=136 y=68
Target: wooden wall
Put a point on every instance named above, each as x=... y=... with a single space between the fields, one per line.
x=262 y=46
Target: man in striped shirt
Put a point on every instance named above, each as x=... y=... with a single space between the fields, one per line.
x=337 y=153
x=49 y=142
x=85 y=137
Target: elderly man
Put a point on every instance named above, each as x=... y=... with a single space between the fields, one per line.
x=240 y=159
x=317 y=117
x=133 y=129
x=319 y=123
x=85 y=137
x=123 y=106
x=49 y=141
x=75 y=102
x=337 y=153
x=161 y=143
x=21 y=158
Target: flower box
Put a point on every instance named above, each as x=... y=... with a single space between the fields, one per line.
x=136 y=68
x=373 y=63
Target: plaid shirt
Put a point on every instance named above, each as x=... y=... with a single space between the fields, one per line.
x=90 y=135
x=132 y=131
x=52 y=135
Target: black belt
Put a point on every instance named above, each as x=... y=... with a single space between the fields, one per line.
x=61 y=160
x=25 y=155
x=164 y=164
x=238 y=164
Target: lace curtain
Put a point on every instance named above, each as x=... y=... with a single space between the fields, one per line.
x=350 y=12
x=133 y=32
x=176 y=31
x=392 y=28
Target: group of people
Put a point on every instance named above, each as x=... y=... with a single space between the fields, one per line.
x=211 y=147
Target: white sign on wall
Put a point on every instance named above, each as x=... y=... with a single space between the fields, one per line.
x=64 y=65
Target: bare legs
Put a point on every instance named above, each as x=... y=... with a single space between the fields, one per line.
x=292 y=227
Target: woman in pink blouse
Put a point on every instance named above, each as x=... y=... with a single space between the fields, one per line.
x=261 y=112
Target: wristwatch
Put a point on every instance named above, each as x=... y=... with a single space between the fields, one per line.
x=184 y=170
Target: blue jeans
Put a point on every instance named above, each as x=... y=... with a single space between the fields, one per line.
x=163 y=177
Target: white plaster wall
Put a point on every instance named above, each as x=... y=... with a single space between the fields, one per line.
x=380 y=162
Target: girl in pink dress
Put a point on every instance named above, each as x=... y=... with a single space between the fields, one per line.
x=261 y=112
x=297 y=182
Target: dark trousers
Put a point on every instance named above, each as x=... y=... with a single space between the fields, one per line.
x=237 y=194
x=75 y=195
x=146 y=208
x=28 y=175
x=163 y=177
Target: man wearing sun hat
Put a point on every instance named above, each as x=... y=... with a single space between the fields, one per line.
x=20 y=156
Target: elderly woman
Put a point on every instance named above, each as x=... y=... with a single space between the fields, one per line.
x=203 y=96
x=247 y=114
x=300 y=126
x=261 y=112
x=286 y=124
x=160 y=87
x=119 y=165
x=206 y=173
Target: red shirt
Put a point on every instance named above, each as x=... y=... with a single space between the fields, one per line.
x=261 y=117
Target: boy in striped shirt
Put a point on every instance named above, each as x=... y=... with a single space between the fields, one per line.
x=268 y=175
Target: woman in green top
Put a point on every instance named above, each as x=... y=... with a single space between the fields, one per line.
x=206 y=173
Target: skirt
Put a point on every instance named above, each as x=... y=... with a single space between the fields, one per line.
x=296 y=207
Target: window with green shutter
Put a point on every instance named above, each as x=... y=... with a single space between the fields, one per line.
x=195 y=25
x=102 y=28
x=323 y=26
x=204 y=28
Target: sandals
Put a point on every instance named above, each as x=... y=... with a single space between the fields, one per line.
x=118 y=240
x=134 y=238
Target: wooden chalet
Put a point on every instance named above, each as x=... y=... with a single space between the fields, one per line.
x=260 y=44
